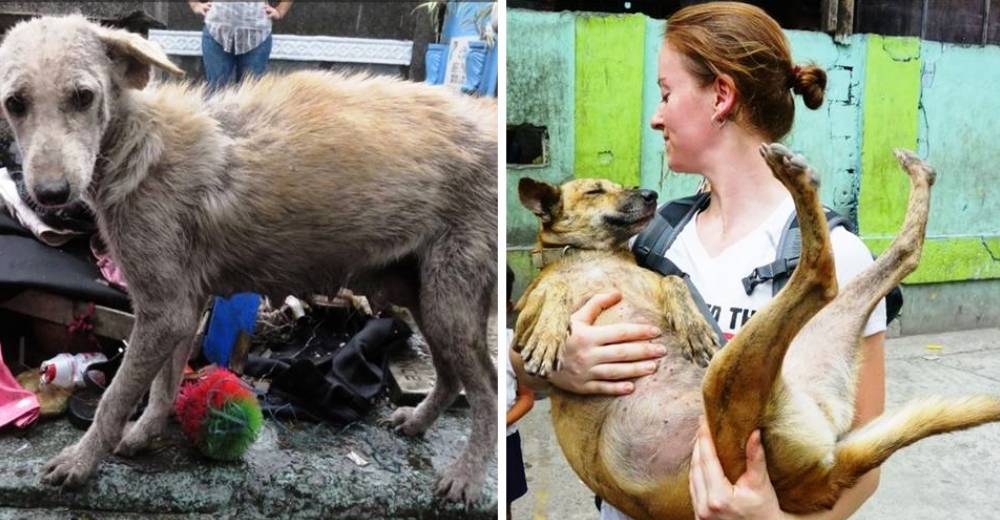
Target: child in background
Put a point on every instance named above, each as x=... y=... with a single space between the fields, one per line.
x=520 y=399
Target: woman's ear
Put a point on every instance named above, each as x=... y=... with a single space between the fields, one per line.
x=725 y=97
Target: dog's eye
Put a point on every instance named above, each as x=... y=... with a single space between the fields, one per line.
x=82 y=98
x=16 y=106
x=595 y=191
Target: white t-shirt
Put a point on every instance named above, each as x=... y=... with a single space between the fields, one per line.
x=719 y=278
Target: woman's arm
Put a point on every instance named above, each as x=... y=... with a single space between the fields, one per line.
x=753 y=496
x=199 y=7
x=279 y=12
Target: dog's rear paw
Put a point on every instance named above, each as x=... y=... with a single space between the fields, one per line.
x=788 y=167
x=461 y=482
x=70 y=469
x=915 y=166
x=406 y=420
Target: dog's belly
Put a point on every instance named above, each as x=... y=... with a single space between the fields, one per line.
x=628 y=446
x=649 y=434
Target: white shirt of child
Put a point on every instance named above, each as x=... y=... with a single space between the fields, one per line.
x=719 y=278
x=511 y=382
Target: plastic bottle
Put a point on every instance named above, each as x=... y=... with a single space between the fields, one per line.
x=66 y=370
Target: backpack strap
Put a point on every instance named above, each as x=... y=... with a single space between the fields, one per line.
x=787 y=253
x=651 y=244
x=787 y=257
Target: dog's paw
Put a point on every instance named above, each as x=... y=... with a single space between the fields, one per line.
x=788 y=167
x=915 y=166
x=406 y=420
x=702 y=343
x=70 y=469
x=461 y=482
x=137 y=438
x=541 y=351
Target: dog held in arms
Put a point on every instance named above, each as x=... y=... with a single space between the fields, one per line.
x=791 y=371
x=282 y=185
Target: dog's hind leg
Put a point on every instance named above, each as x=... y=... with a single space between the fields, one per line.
x=868 y=447
x=742 y=375
x=145 y=356
x=822 y=360
x=414 y=420
x=458 y=275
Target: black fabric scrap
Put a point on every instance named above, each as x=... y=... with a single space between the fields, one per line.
x=338 y=387
x=27 y=263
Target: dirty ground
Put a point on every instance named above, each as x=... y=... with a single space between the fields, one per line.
x=293 y=471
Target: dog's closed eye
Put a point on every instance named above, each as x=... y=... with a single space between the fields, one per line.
x=595 y=191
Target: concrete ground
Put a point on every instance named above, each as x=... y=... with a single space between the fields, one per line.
x=293 y=471
x=948 y=476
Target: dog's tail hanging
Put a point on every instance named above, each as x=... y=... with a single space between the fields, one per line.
x=868 y=447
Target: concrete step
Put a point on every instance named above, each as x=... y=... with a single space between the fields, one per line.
x=297 y=470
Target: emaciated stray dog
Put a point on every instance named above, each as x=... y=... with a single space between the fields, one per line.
x=790 y=371
x=286 y=185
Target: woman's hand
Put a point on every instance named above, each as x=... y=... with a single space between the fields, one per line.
x=599 y=359
x=714 y=497
x=200 y=8
x=273 y=13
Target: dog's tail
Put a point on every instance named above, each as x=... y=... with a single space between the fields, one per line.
x=870 y=446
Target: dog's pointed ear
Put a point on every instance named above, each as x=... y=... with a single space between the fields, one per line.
x=136 y=54
x=540 y=198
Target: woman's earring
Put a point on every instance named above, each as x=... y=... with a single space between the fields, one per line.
x=719 y=122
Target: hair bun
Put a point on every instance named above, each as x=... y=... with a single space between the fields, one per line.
x=809 y=82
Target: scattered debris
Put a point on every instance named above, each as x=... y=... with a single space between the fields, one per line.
x=356 y=459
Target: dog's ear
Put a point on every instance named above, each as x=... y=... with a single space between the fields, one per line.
x=136 y=54
x=539 y=197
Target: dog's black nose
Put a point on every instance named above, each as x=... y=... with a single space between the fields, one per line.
x=648 y=195
x=52 y=193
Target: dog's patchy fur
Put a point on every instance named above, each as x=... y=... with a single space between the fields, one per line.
x=634 y=451
x=284 y=185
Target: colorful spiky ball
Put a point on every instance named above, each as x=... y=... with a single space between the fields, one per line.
x=219 y=414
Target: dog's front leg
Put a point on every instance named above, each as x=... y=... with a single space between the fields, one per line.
x=543 y=326
x=143 y=359
x=162 y=394
x=683 y=317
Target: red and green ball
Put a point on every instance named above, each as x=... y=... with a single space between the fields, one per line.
x=219 y=414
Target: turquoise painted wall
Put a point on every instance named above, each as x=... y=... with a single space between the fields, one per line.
x=540 y=90
x=959 y=129
x=927 y=95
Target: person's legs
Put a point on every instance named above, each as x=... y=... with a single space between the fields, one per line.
x=253 y=63
x=219 y=64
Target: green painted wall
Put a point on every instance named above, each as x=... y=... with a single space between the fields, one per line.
x=891 y=97
x=928 y=96
x=609 y=83
x=591 y=79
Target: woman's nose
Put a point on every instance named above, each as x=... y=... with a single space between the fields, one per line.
x=656 y=122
